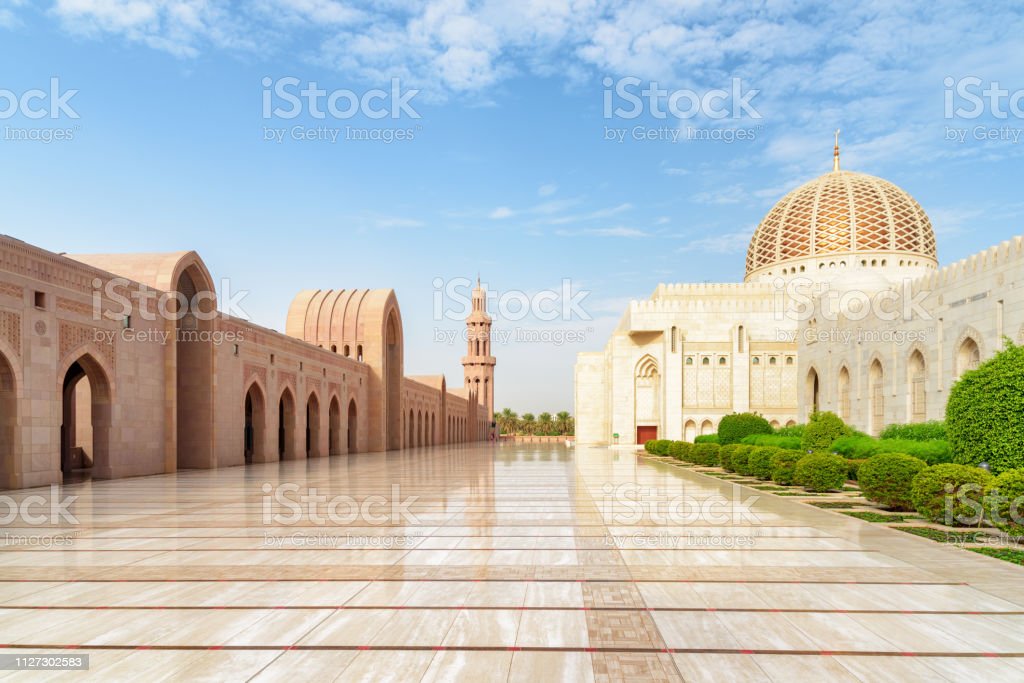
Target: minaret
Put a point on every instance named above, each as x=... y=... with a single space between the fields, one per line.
x=835 y=154
x=478 y=362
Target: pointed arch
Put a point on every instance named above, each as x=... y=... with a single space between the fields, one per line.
x=286 y=425
x=10 y=446
x=843 y=402
x=353 y=427
x=334 y=427
x=254 y=446
x=967 y=352
x=876 y=396
x=86 y=415
x=916 y=384
x=313 y=418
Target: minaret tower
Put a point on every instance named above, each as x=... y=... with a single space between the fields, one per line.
x=478 y=362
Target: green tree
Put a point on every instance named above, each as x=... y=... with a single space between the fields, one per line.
x=508 y=421
x=545 y=425
x=528 y=424
x=562 y=421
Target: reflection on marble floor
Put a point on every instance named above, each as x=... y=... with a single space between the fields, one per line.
x=505 y=563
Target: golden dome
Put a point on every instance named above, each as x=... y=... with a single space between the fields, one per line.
x=842 y=213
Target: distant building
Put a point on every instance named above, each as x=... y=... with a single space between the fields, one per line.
x=91 y=387
x=843 y=308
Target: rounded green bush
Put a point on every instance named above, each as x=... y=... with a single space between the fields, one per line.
x=1004 y=502
x=725 y=454
x=705 y=454
x=739 y=460
x=759 y=462
x=985 y=411
x=821 y=431
x=733 y=428
x=784 y=465
x=961 y=484
x=820 y=472
x=649 y=446
x=853 y=467
x=887 y=477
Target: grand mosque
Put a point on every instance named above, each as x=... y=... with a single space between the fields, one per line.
x=843 y=307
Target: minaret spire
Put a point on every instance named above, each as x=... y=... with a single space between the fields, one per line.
x=835 y=154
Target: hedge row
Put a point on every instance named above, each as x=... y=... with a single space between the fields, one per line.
x=932 y=452
x=779 y=441
x=816 y=472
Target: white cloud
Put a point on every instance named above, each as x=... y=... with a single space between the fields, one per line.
x=547 y=190
x=501 y=212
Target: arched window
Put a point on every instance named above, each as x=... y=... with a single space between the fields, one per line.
x=689 y=361
x=968 y=356
x=773 y=360
x=755 y=360
x=721 y=360
x=916 y=387
x=706 y=361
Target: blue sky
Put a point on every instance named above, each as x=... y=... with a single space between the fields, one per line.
x=509 y=172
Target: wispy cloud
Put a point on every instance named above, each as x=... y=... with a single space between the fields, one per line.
x=547 y=190
x=728 y=243
x=501 y=213
x=617 y=231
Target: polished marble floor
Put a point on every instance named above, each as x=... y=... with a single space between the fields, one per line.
x=480 y=563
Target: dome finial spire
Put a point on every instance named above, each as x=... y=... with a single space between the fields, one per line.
x=835 y=154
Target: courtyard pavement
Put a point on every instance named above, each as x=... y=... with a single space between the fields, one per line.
x=476 y=563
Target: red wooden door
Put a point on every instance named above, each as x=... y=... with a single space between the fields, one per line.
x=645 y=434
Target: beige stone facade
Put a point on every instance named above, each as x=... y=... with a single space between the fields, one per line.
x=104 y=372
x=842 y=308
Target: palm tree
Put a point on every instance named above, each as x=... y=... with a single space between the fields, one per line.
x=507 y=420
x=544 y=424
x=528 y=423
x=562 y=420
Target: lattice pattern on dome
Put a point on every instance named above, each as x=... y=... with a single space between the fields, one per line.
x=841 y=212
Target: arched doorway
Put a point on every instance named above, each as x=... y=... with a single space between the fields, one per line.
x=334 y=428
x=393 y=381
x=255 y=425
x=312 y=426
x=8 y=424
x=286 y=426
x=352 y=427
x=876 y=399
x=968 y=356
x=85 y=429
x=433 y=429
x=706 y=428
x=690 y=431
x=811 y=388
x=194 y=364
x=916 y=401
x=844 y=393
x=411 y=443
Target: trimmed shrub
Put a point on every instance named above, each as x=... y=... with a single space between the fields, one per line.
x=886 y=479
x=725 y=456
x=759 y=462
x=705 y=454
x=680 y=450
x=649 y=446
x=820 y=472
x=964 y=485
x=918 y=431
x=853 y=467
x=985 y=411
x=739 y=459
x=661 y=446
x=734 y=427
x=932 y=452
x=792 y=430
x=784 y=465
x=821 y=431
x=706 y=438
x=1004 y=502
x=788 y=442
